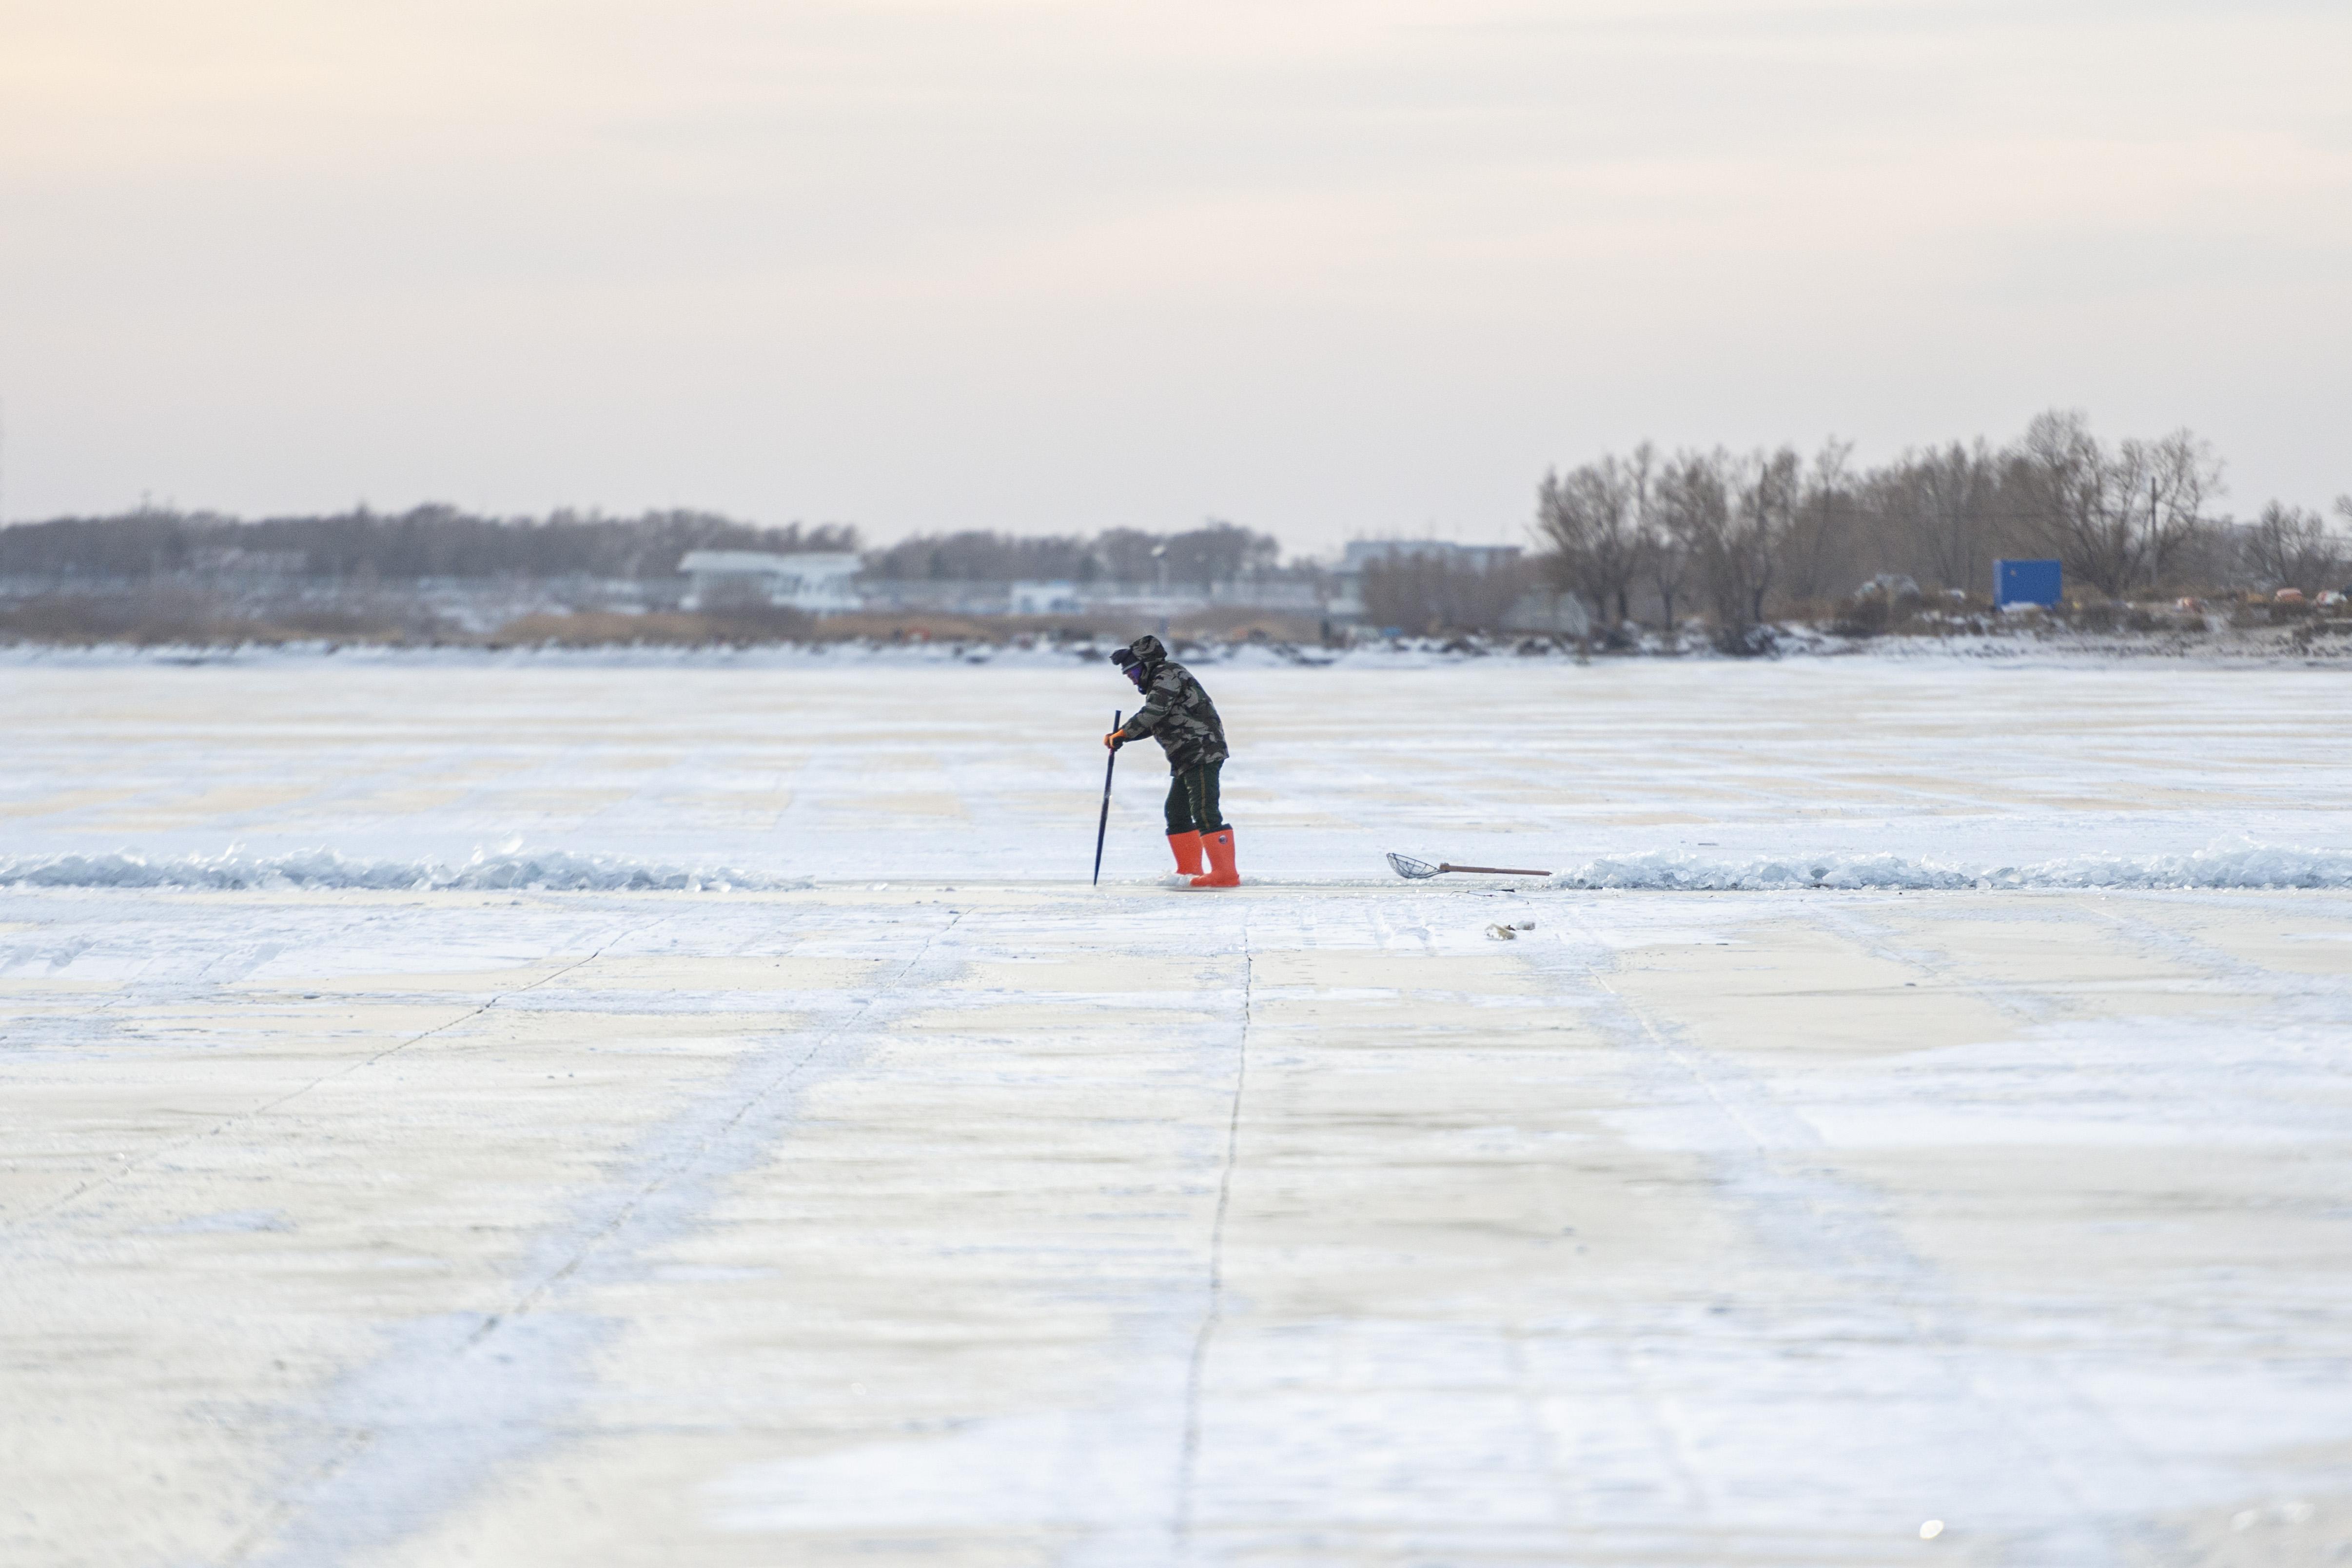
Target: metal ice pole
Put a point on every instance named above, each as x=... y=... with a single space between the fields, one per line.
x=1103 y=826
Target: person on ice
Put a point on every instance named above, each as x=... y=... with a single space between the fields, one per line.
x=1178 y=714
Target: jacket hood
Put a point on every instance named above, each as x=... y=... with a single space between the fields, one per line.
x=1147 y=651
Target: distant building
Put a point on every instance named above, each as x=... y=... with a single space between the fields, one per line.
x=1044 y=599
x=815 y=581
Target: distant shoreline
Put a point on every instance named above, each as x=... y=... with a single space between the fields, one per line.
x=2267 y=647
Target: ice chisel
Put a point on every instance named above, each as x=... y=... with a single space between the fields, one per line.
x=1103 y=826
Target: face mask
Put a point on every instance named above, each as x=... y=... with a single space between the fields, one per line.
x=1135 y=673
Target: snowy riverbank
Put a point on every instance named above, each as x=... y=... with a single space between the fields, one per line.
x=2308 y=643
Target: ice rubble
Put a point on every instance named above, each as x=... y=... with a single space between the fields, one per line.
x=2239 y=864
x=2242 y=864
x=554 y=870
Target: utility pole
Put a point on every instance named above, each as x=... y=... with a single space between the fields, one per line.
x=1160 y=571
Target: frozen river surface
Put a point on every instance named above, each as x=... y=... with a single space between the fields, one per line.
x=912 y=1202
x=1633 y=772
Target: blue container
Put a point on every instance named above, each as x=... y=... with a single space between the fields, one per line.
x=2026 y=583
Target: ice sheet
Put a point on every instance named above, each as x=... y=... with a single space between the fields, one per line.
x=602 y=773
x=782 y=1156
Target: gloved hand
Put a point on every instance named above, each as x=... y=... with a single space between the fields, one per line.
x=1113 y=740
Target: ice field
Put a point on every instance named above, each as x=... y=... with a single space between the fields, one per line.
x=577 y=1112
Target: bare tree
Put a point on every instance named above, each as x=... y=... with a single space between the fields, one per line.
x=1434 y=594
x=1817 y=550
x=2074 y=509
x=1219 y=551
x=1743 y=533
x=1126 y=554
x=1664 y=557
x=1693 y=514
x=1938 y=514
x=2117 y=518
x=1593 y=520
x=2287 y=547
x=1763 y=514
x=2173 y=478
x=424 y=542
x=1731 y=515
x=1206 y=556
x=977 y=556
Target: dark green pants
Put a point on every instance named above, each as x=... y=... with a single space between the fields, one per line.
x=1193 y=799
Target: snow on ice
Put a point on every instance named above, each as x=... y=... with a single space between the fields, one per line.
x=614 y=1111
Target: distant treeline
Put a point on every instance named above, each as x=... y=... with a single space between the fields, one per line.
x=442 y=542
x=1198 y=558
x=1736 y=536
x=426 y=541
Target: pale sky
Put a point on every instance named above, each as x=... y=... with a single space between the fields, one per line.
x=1322 y=268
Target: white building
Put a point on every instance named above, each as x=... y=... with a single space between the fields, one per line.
x=816 y=581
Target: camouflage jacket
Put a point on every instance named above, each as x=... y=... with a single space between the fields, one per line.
x=1176 y=712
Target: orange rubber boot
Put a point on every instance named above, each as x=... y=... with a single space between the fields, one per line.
x=1220 y=848
x=1187 y=847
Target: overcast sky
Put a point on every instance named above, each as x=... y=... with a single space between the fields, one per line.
x=1324 y=268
